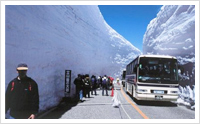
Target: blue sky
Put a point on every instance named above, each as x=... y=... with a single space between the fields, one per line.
x=130 y=21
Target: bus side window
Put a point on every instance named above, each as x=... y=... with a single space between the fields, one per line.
x=135 y=68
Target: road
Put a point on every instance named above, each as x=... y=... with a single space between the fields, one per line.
x=100 y=107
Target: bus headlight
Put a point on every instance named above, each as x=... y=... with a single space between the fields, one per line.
x=141 y=90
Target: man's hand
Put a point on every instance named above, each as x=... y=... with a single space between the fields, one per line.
x=32 y=116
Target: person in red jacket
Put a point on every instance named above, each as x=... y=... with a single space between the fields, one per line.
x=22 y=96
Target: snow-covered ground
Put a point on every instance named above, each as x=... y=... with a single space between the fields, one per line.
x=172 y=32
x=52 y=39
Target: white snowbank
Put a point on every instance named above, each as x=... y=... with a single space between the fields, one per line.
x=172 y=32
x=52 y=39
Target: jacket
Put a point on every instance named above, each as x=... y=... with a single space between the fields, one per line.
x=22 y=98
x=79 y=83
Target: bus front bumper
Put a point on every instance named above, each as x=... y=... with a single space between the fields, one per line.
x=157 y=97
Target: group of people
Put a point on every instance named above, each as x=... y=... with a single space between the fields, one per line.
x=22 y=97
x=86 y=84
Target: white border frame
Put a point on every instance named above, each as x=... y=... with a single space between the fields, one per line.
x=196 y=3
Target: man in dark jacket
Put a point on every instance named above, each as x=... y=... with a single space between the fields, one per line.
x=87 y=85
x=94 y=84
x=105 y=85
x=22 y=96
x=79 y=87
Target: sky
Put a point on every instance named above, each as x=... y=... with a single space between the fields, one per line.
x=130 y=21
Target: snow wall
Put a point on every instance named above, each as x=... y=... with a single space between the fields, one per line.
x=172 y=32
x=52 y=39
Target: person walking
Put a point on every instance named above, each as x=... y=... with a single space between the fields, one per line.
x=105 y=85
x=79 y=87
x=22 y=98
x=118 y=81
x=87 y=85
x=99 y=82
x=94 y=84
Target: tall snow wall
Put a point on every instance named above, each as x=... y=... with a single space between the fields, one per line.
x=52 y=39
x=172 y=32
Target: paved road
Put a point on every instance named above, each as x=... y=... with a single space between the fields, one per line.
x=100 y=107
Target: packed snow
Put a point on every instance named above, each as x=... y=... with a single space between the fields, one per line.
x=172 y=32
x=52 y=39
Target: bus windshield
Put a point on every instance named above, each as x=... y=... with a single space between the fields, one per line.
x=158 y=70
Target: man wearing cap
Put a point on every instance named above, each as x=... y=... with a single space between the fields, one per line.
x=22 y=96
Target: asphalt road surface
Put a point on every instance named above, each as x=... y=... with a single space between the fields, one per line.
x=101 y=107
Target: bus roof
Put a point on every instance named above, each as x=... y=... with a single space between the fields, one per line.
x=154 y=56
x=158 y=56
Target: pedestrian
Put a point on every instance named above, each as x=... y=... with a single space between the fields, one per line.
x=109 y=83
x=94 y=84
x=105 y=85
x=87 y=85
x=111 y=80
x=118 y=81
x=22 y=97
x=84 y=86
x=79 y=87
x=99 y=82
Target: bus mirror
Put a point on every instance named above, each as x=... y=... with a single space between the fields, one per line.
x=180 y=69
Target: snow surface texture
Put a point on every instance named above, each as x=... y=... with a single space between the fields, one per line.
x=172 y=32
x=187 y=97
x=52 y=39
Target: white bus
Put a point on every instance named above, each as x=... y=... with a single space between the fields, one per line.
x=153 y=77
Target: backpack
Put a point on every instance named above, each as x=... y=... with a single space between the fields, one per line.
x=104 y=81
x=93 y=80
x=13 y=85
x=86 y=82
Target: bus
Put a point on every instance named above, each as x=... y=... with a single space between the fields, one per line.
x=153 y=78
